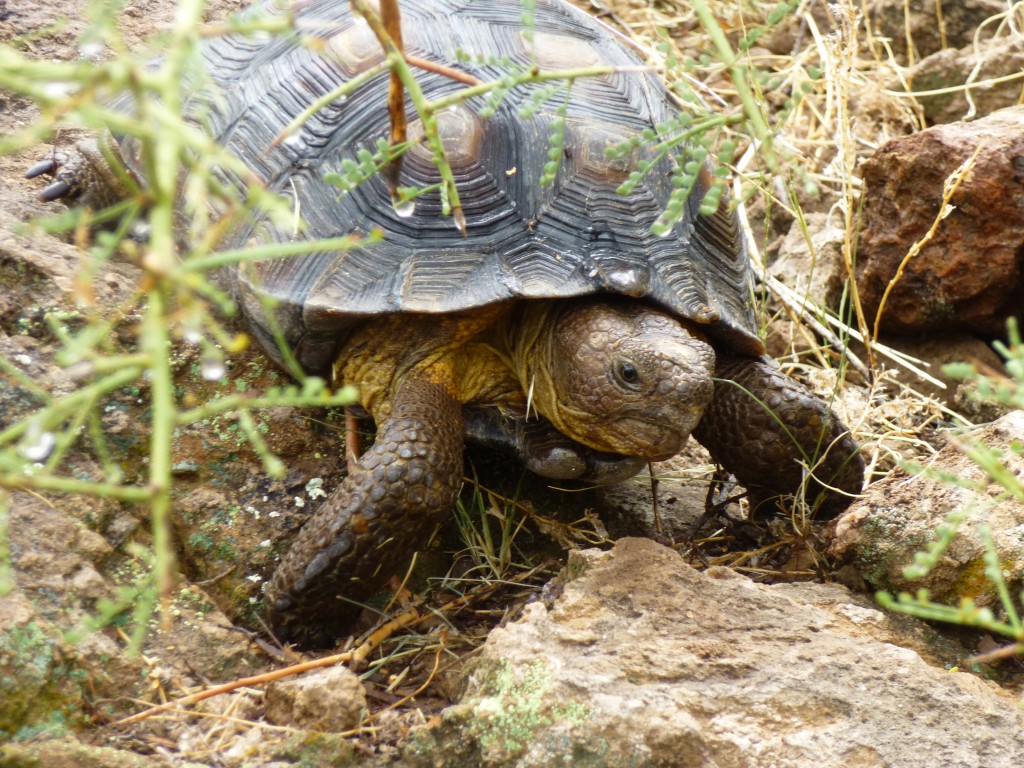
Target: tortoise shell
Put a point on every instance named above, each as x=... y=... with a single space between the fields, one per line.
x=523 y=240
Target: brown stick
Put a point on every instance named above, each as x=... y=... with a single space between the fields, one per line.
x=351 y=440
x=356 y=655
x=396 y=96
x=441 y=69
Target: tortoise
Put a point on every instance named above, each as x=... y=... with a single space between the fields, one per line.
x=556 y=307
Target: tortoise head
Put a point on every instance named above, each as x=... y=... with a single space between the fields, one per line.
x=618 y=376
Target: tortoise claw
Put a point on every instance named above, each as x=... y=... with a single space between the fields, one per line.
x=43 y=167
x=55 y=191
x=63 y=187
x=81 y=174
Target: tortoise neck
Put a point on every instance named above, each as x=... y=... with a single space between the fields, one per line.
x=529 y=334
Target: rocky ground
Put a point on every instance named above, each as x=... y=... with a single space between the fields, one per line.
x=632 y=653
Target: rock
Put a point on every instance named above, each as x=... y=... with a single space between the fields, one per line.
x=897 y=517
x=951 y=68
x=627 y=508
x=889 y=20
x=48 y=273
x=645 y=661
x=36 y=690
x=68 y=753
x=816 y=271
x=55 y=556
x=330 y=699
x=791 y=34
x=953 y=26
x=968 y=276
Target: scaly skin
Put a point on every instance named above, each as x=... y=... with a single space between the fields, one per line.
x=386 y=509
x=572 y=356
x=762 y=425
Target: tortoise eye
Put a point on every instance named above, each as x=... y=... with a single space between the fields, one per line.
x=626 y=372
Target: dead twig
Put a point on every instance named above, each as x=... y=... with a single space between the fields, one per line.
x=440 y=69
x=356 y=656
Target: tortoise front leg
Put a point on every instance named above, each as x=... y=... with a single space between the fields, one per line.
x=86 y=173
x=544 y=450
x=384 y=510
x=765 y=428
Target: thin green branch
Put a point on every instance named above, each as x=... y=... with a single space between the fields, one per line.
x=526 y=76
x=162 y=420
x=751 y=107
x=58 y=410
x=276 y=251
x=340 y=91
x=45 y=482
x=292 y=396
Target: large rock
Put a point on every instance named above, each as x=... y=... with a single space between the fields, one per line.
x=950 y=68
x=930 y=26
x=898 y=516
x=814 y=269
x=645 y=661
x=968 y=276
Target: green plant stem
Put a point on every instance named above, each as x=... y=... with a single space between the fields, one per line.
x=69 y=434
x=161 y=164
x=6 y=571
x=155 y=341
x=44 y=482
x=528 y=76
x=739 y=79
x=117 y=362
x=343 y=396
x=994 y=572
x=273 y=465
x=968 y=617
x=274 y=251
x=58 y=410
x=279 y=26
x=24 y=380
x=342 y=90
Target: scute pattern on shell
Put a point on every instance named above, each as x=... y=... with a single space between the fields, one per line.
x=575 y=237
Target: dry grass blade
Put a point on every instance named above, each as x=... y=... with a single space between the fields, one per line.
x=426 y=683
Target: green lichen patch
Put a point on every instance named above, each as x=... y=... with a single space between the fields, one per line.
x=508 y=720
x=37 y=683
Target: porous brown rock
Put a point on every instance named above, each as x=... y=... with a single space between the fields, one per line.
x=918 y=28
x=645 y=661
x=969 y=275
